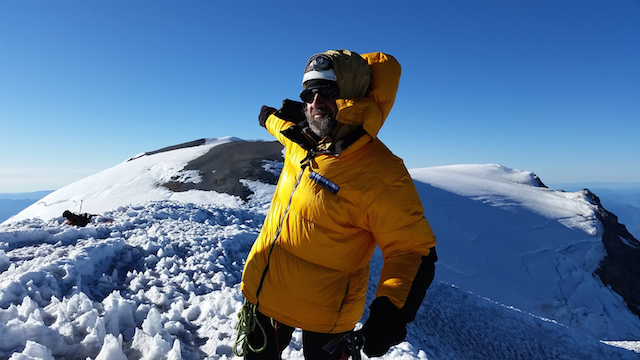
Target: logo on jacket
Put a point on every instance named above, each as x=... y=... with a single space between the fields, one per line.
x=324 y=182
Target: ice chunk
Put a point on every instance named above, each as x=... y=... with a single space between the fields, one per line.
x=111 y=349
x=33 y=351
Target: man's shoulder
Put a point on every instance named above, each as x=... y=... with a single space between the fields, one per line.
x=379 y=153
x=376 y=160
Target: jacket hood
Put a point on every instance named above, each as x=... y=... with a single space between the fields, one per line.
x=368 y=85
x=352 y=72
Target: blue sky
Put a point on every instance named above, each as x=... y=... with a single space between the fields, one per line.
x=551 y=87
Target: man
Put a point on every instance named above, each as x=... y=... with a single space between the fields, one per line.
x=341 y=192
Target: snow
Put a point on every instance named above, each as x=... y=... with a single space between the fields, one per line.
x=156 y=275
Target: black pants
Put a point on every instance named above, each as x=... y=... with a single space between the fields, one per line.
x=279 y=336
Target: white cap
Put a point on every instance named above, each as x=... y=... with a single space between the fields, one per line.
x=319 y=75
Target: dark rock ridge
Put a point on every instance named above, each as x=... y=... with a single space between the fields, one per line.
x=620 y=268
x=169 y=148
x=222 y=167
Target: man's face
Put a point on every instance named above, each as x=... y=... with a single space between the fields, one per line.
x=321 y=114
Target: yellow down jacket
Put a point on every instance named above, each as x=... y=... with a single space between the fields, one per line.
x=309 y=267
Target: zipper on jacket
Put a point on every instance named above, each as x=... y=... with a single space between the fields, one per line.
x=344 y=298
x=304 y=163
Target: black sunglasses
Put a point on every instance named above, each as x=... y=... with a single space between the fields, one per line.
x=328 y=93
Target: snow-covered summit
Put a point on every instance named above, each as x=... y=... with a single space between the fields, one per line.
x=156 y=275
x=134 y=181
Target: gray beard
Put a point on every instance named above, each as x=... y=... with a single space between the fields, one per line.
x=322 y=127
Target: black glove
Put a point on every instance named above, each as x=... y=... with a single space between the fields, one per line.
x=292 y=111
x=265 y=111
x=384 y=328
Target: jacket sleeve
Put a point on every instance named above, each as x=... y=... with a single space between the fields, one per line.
x=276 y=125
x=275 y=121
x=404 y=235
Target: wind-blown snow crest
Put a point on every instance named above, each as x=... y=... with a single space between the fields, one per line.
x=509 y=188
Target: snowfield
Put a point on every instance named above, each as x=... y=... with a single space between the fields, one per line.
x=156 y=275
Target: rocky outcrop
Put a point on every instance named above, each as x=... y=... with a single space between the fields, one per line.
x=620 y=268
x=222 y=167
